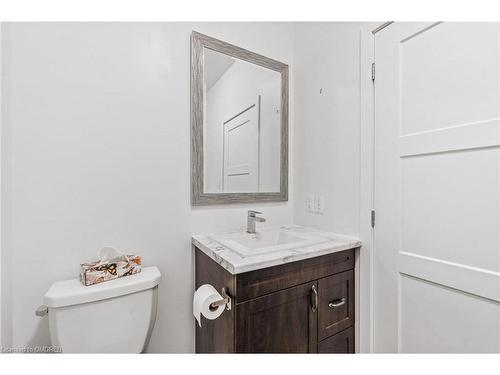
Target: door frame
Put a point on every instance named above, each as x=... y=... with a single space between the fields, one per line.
x=6 y=329
x=1 y=170
x=364 y=260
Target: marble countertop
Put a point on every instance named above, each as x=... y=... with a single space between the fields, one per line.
x=235 y=262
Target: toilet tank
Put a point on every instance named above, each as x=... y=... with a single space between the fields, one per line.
x=111 y=317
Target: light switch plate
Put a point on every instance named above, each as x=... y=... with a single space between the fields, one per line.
x=309 y=203
x=319 y=204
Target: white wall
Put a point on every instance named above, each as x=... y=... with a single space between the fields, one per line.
x=327 y=134
x=96 y=152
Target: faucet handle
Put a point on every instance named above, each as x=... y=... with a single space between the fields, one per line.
x=252 y=213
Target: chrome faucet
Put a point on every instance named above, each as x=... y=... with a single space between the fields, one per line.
x=252 y=218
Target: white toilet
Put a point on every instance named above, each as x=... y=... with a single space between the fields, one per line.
x=111 y=317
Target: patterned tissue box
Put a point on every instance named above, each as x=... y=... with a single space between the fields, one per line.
x=97 y=272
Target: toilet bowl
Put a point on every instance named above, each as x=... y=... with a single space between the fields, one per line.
x=115 y=316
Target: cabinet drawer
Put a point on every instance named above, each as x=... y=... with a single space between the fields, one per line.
x=336 y=304
x=342 y=343
x=267 y=280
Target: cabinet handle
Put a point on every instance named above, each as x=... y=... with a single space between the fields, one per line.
x=336 y=303
x=314 y=298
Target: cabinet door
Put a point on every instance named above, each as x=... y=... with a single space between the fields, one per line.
x=336 y=304
x=341 y=343
x=280 y=322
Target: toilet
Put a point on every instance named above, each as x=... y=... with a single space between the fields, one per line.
x=115 y=316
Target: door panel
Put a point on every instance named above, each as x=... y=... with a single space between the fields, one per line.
x=472 y=323
x=280 y=322
x=443 y=196
x=437 y=188
x=449 y=75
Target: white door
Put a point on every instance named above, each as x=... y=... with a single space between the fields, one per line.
x=437 y=188
x=241 y=151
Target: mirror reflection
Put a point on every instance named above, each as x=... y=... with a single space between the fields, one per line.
x=241 y=125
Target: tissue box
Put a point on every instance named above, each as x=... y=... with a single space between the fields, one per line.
x=97 y=272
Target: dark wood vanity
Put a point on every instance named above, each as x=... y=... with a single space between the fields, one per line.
x=305 y=306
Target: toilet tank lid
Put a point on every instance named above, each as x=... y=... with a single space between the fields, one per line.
x=73 y=292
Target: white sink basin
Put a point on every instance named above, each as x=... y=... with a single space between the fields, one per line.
x=267 y=241
x=240 y=252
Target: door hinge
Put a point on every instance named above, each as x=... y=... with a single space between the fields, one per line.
x=373 y=218
x=373 y=71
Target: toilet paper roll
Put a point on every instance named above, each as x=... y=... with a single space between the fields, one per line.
x=203 y=297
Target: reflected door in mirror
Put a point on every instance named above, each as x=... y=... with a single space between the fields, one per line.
x=241 y=151
x=242 y=127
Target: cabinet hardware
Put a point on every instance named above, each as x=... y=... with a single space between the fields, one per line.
x=336 y=303
x=314 y=298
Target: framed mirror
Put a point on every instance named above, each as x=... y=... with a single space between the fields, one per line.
x=239 y=124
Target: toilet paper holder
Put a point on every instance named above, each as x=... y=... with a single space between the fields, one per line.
x=226 y=300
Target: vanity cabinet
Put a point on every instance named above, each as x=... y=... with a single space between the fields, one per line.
x=304 y=306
